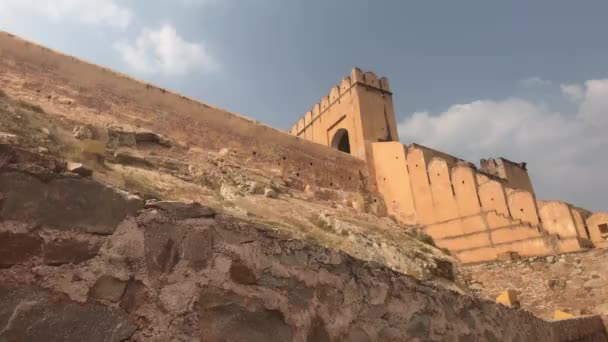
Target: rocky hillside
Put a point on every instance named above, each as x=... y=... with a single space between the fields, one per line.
x=81 y=260
x=156 y=167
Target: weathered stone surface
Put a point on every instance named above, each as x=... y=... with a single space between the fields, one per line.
x=317 y=332
x=225 y=316
x=82 y=132
x=151 y=137
x=33 y=314
x=65 y=251
x=576 y=283
x=127 y=158
x=108 y=288
x=197 y=248
x=120 y=137
x=241 y=273
x=125 y=137
x=222 y=278
x=8 y=138
x=79 y=169
x=162 y=247
x=16 y=248
x=182 y=210
x=134 y=297
x=270 y=193
x=65 y=203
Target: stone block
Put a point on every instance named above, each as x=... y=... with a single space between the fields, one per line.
x=508 y=298
x=134 y=297
x=226 y=316
x=66 y=251
x=108 y=288
x=559 y=315
x=241 y=273
x=16 y=248
x=34 y=314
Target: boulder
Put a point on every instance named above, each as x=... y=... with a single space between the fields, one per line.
x=151 y=137
x=270 y=193
x=79 y=169
x=82 y=132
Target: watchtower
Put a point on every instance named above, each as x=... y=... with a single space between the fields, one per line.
x=355 y=113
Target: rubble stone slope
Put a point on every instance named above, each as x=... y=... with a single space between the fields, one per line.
x=180 y=271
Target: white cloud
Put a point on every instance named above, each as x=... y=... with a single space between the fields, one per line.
x=196 y=2
x=164 y=51
x=535 y=82
x=574 y=92
x=565 y=151
x=102 y=12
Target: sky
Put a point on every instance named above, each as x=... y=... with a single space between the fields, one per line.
x=525 y=80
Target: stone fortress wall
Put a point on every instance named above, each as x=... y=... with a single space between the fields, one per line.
x=478 y=213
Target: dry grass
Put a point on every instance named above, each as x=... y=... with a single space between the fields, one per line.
x=30 y=106
x=425 y=238
x=318 y=221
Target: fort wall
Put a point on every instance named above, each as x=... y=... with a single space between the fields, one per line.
x=473 y=213
x=32 y=72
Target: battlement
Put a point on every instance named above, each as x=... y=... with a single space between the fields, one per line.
x=356 y=110
x=515 y=174
x=357 y=77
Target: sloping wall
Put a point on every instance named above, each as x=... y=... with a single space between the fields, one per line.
x=102 y=95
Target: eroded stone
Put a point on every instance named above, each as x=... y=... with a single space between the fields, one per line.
x=16 y=248
x=34 y=314
x=108 y=288
x=65 y=251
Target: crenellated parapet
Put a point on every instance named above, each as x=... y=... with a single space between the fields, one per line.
x=336 y=93
x=515 y=174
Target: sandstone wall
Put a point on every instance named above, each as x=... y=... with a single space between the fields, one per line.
x=576 y=283
x=64 y=84
x=179 y=271
x=474 y=214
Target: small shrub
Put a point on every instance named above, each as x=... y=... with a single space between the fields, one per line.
x=425 y=238
x=30 y=106
x=425 y=249
x=318 y=221
x=446 y=251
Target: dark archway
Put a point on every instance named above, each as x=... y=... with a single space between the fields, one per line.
x=340 y=141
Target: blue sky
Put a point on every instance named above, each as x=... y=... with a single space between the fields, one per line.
x=526 y=80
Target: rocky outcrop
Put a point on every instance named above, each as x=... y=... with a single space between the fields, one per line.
x=576 y=283
x=181 y=271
